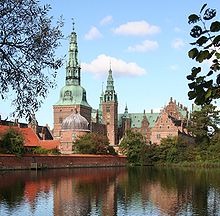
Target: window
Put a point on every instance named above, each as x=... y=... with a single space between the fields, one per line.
x=107 y=109
x=158 y=136
x=60 y=120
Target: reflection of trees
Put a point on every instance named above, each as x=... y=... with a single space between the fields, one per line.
x=172 y=190
x=12 y=195
x=101 y=190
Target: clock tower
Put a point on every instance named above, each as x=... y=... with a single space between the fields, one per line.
x=110 y=110
x=72 y=95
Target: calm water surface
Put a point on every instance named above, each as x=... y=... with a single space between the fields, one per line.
x=110 y=191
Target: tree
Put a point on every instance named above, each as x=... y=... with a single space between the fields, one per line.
x=204 y=124
x=28 y=65
x=93 y=143
x=205 y=87
x=12 y=142
x=134 y=147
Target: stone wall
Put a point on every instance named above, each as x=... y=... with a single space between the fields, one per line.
x=10 y=162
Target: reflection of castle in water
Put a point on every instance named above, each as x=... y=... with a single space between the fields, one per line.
x=111 y=191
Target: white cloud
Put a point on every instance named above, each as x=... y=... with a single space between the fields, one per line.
x=101 y=65
x=106 y=20
x=137 y=28
x=93 y=33
x=178 y=43
x=174 y=67
x=144 y=46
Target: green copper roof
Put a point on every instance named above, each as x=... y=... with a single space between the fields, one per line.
x=73 y=95
x=73 y=68
x=110 y=94
x=126 y=115
x=136 y=119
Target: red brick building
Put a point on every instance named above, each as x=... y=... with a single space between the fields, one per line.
x=171 y=121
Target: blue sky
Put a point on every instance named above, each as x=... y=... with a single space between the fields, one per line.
x=145 y=41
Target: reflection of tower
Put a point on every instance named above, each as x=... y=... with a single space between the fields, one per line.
x=67 y=201
x=110 y=110
x=72 y=95
x=109 y=206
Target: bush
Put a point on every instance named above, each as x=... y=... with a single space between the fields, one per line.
x=12 y=142
x=93 y=143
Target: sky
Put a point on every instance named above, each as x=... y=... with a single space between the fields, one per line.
x=145 y=43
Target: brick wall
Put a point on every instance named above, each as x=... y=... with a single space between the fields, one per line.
x=61 y=161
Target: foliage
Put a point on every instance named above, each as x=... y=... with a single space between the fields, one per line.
x=40 y=150
x=204 y=124
x=205 y=87
x=93 y=143
x=12 y=142
x=28 y=64
x=134 y=147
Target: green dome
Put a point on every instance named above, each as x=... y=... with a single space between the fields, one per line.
x=73 y=95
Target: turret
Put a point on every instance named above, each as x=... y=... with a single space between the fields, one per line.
x=73 y=68
x=110 y=110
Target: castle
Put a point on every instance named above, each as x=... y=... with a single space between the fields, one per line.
x=74 y=117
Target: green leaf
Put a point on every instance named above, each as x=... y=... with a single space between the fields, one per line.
x=190 y=77
x=202 y=40
x=202 y=55
x=209 y=14
x=216 y=41
x=215 y=26
x=208 y=93
x=193 y=18
x=217 y=55
x=192 y=85
x=196 y=31
x=218 y=80
x=203 y=8
x=191 y=95
x=195 y=71
x=193 y=53
x=210 y=73
x=200 y=79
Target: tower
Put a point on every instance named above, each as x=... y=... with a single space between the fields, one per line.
x=72 y=95
x=110 y=110
x=126 y=121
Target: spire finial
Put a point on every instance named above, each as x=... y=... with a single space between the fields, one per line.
x=73 y=24
x=110 y=64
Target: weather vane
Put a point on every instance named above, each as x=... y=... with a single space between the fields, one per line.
x=73 y=24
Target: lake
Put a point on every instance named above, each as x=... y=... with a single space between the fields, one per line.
x=110 y=191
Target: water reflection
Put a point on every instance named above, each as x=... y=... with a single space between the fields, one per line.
x=110 y=191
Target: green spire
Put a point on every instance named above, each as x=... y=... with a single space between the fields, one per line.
x=110 y=82
x=126 y=115
x=73 y=68
x=110 y=94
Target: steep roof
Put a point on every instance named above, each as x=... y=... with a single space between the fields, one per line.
x=31 y=138
x=49 y=144
x=136 y=119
